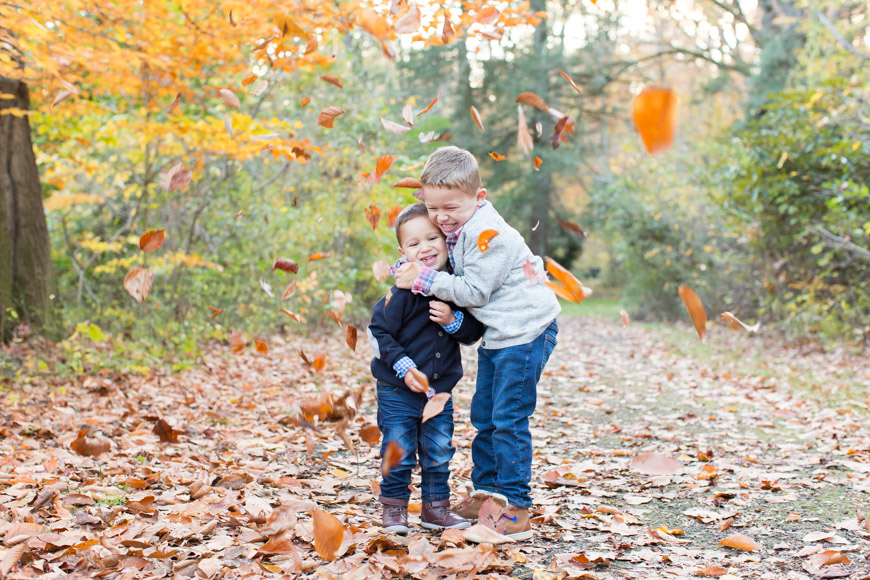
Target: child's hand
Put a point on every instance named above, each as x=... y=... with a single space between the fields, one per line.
x=406 y=274
x=441 y=313
x=412 y=383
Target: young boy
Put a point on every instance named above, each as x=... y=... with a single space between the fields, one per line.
x=412 y=331
x=520 y=330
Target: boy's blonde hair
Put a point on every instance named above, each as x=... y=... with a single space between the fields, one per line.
x=452 y=167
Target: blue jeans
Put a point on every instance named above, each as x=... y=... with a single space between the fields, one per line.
x=399 y=414
x=507 y=388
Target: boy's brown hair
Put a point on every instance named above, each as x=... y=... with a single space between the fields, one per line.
x=452 y=167
x=414 y=210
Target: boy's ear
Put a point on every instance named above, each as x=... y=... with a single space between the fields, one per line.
x=480 y=196
x=400 y=250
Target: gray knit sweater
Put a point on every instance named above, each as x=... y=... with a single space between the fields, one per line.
x=492 y=285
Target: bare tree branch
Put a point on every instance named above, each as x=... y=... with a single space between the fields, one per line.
x=840 y=38
x=843 y=243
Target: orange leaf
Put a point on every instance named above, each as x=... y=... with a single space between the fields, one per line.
x=655 y=464
x=383 y=164
x=294 y=316
x=237 y=343
x=328 y=533
x=410 y=183
x=409 y=22
x=89 y=446
x=484 y=238
x=447 y=31
x=229 y=98
x=67 y=90
x=625 y=318
x=328 y=115
x=566 y=285
x=312 y=44
x=434 y=406
x=560 y=132
x=350 y=337
x=497 y=156
x=538 y=163
x=175 y=102
x=476 y=118
x=430 y=105
x=394 y=211
x=533 y=100
x=319 y=362
x=392 y=127
x=165 y=432
x=285 y=264
x=487 y=15
x=138 y=283
x=151 y=240
x=421 y=377
x=248 y=80
x=695 y=308
x=318 y=256
x=570 y=81
x=381 y=270
x=370 y=434
x=177 y=177
x=712 y=571
x=215 y=312
x=289 y=290
x=737 y=324
x=332 y=80
x=373 y=214
x=572 y=227
x=741 y=542
x=304 y=101
x=392 y=456
x=654 y=112
x=371 y=22
x=261 y=346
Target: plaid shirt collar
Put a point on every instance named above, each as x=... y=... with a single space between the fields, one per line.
x=453 y=238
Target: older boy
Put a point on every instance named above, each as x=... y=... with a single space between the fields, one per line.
x=412 y=331
x=520 y=330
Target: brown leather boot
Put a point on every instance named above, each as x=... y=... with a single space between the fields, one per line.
x=395 y=515
x=516 y=523
x=469 y=506
x=436 y=515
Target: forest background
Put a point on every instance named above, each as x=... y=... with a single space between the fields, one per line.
x=201 y=119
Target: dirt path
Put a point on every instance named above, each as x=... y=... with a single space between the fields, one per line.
x=228 y=491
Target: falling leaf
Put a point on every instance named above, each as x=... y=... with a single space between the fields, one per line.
x=267 y=288
x=430 y=105
x=328 y=115
x=566 y=285
x=292 y=315
x=487 y=15
x=410 y=183
x=151 y=240
x=572 y=227
x=175 y=102
x=392 y=127
x=312 y=44
x=712 y=571
x=328 y=533
x=332 y=80
x=215 y=312
x=740 y=542
x=177 y=177
x=475 y=116
x=237 y=341
x=289 y=291
x=434 y=406
x=318 y=256
x=261 y=347
x=537 y=223
x=259 y=89
x=285 y=264
x=381 y=270
x=421 y=378
x=89 y=446
x=524 y=138
x=560 y=132
x=373 y=214
x=408 y=114
x=371 y=434
x=695 y=308
x=382 y=166
x=394 y=211
x=490 y=35
x=409 y=22
x=654 y=112
x=538 y=163
x=534 y=100
x=165 y=432
x=67 y=90
x=265 y=43
x=371 y=22
x=350 y=337
x=138 y=283
x=570 y=81
x=249 y=80
x=229 y=98
x=531 y=272
x=497 y=156
x=319 y=362
x=392 y=456
x=655 y=464
x=228 y=125
x=625 y=318
x=737 y=324
x=447 y=31
x=484 y=238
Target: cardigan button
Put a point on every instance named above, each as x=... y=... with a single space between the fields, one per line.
x=435 y=376
x=440 y=333
x=437 y=355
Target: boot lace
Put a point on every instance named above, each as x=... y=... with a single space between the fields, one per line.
x=394 y=511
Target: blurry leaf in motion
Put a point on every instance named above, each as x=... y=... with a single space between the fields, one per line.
x=371 y=434
x=485 y=238
x=566 y=285
x=292 y=315
x=655 y=464
x=289 y=290
x=285 y=264
x=625 y=318
x=328 y=533
x=408 y=115
x=571 y=82
x=572 y=227
x=175 y=178
x=741 y=542
x=382 y=166
x=410 y=183
x=736 y=324
x=228 y=125
x=371 y=22
x=237 y=342
x=393 y=127
x=475 y=116
x=89 y=446
x=318 y=256
x=563 y=126
x=430 y=105
x=447 y=31
x=392 y=456
x=434 y=406
x=151 y=240
x=654 y=112
x=165 y=432
x=421 y=377
x=534 y=100
x=175 y=102
x=261 y=347
x=137 y=283
x=350 y=337
x=332 y=80
x=695 y=308
x=409 y=22
x=229 y=98
x=394 y=212
x=524 y=137
x=538 y=163
x=497 y=156
x=328 y=115
x=215 y=312
x=487 y=15
x=373 y=214
x=67 y=90
x=319 y=362
x=267 y=288
x=381 y=270
x=304 y=101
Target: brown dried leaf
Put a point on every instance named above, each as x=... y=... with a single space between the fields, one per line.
x=393 y=127
x=261 y=347
x=409 y=22
x=350 y=337
x=410 y=183
x=392 y=456
x=151 y=240
x=328 y=115
x=408 y=114
x=381 y=270
x=712 y=571
x=229 y=98
x=570 y=81
x=485 y=238
x=332 y=80
x=430 y=105
x=137 y=283
x=11 y=557
x=373 y=214
x=475 y=116
x=285 y=264
x=434 y=406
x=654 y=112
x=328 y=533
x=89 y=446
x=741 y=542
x=165 y=432
x=572 y=227
x=695 y=308
x=447 y=31
x=486 y=15
x=371 y=434
x=736 y=324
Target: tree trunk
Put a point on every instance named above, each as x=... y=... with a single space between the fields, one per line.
x=25 y=252
x=542 y=180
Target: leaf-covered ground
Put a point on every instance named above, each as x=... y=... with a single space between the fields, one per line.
x=737 y=451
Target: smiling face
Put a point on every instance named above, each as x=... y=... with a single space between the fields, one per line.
x=449 y=207
x=421 y=242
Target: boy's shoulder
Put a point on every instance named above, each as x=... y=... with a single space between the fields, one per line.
x=485 y=218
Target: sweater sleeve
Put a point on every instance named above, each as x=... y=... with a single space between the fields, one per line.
x=387 y=317
x=484 y=273
x=471 y=329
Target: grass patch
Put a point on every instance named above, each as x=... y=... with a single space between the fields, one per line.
x=602 y=307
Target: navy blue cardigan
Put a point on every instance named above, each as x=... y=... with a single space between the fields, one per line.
x=401 y=327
